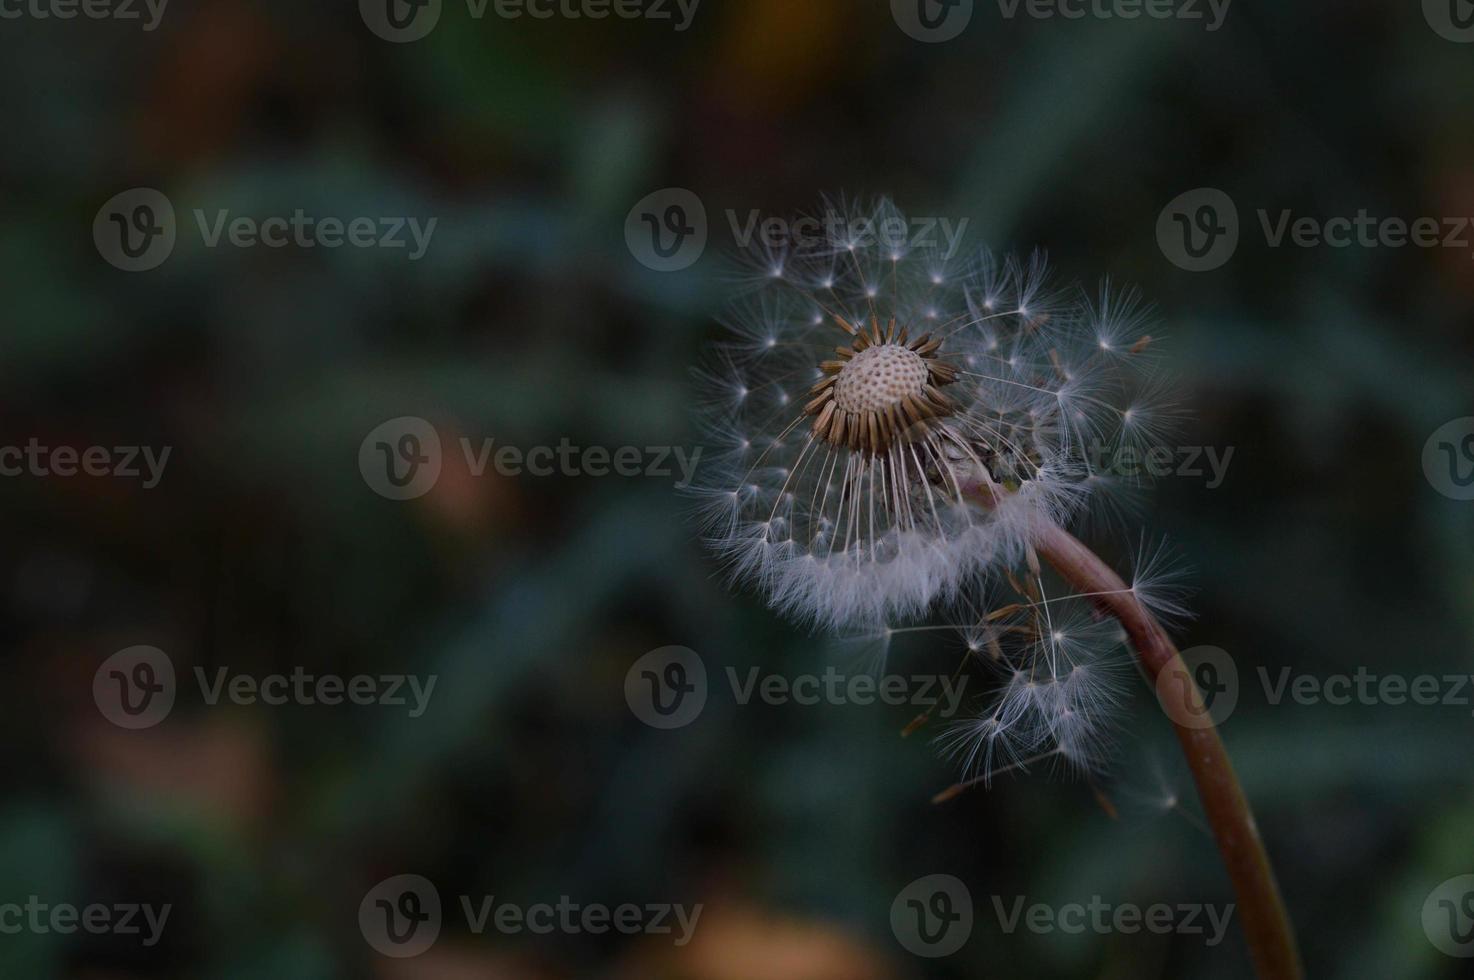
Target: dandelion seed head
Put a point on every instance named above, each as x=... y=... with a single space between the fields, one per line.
x=922 y=379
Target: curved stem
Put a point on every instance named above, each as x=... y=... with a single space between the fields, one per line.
x=1261 y=909
x=1266 y=922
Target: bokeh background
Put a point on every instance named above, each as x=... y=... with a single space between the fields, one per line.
x=529 y=321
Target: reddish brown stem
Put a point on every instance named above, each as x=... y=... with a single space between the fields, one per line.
x=1261 y=909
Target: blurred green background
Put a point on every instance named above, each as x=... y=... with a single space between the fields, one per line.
x=529 y=321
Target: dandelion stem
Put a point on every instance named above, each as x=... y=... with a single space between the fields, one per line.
x=1266 y=922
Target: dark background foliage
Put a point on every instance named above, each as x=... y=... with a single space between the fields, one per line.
x=528 y=321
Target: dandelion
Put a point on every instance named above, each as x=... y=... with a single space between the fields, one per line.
x=901 y=433
x=867 y=386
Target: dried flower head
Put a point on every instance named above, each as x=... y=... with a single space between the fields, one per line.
x=870 y=381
